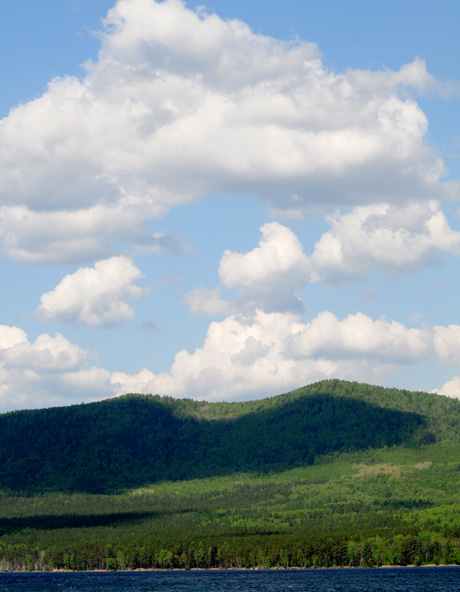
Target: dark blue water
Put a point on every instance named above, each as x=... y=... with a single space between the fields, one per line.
x=421 y=579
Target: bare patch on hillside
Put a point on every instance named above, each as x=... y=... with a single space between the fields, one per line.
x=387 y=469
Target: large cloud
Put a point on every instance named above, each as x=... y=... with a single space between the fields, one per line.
x=181 y=105
x=245 y=356
x=94 y=296
x=256 y=355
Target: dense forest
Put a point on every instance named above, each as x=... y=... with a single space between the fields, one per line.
x=134 y=440
x=333 y=474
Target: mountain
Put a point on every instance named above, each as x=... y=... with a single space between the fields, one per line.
x=333 y=474
x=137 y=439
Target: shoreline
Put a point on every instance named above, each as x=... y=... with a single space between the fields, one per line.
x=201 y=569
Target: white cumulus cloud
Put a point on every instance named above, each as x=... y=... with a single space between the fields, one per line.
x=263 y=354
x=271 y=273
x=450 y=389
x=382 y=236
x=385 y=236
x=244 y=356
x=94 y=296
x=45 y=354
x=359 y=335
x=11 y=336
x=266 y=277
x=48 y=371
x=447 y=344
x=203 y=302
x=181 y=105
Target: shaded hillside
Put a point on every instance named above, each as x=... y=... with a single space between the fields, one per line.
x=135 y=439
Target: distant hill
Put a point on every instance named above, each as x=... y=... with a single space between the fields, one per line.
x=134 y=440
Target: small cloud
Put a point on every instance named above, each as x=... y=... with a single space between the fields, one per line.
x=161 y=244
x=207 y=303
x=370 y=292
x=94 y=296
x=149 y=326
x=266 y=277
x=450 y=389
x=269 y=275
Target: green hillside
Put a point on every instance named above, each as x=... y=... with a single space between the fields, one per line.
x=335 y=473
x=135 y=440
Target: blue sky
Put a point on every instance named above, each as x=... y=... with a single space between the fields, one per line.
x=227 y=201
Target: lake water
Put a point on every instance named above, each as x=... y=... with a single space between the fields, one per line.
x=415 y=579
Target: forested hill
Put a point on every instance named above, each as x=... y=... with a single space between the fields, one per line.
x=138 y=439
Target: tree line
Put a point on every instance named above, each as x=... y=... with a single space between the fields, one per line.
x=279 y=551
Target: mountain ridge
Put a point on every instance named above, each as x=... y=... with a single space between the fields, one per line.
x=134 y=439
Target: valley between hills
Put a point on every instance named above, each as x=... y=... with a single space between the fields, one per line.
x=333 y=474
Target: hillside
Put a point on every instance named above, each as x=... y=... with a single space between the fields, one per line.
x=336 y=473
x=136 y=440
